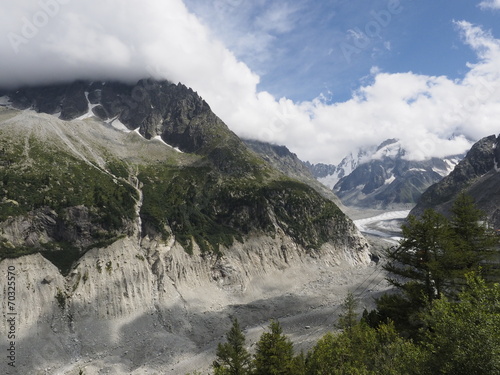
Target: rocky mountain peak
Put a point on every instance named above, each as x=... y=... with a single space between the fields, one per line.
x=173 y=112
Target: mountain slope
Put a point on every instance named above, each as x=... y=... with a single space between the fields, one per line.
x=128 y=243
x=221 y=195
x=477 y=174
x=281 y=158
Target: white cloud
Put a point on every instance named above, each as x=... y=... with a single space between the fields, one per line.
x=490 y=4
x=108 y=40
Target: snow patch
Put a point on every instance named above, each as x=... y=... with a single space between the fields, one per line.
x=390 y=180
x=391 y=151
x=391 y=215
x=118 y=125
x=450 y=163
x=5 y=100
x=158 y=138
x=329 y=181
x=90 y=108
x=386 y=225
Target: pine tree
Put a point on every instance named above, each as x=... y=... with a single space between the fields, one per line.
x=274 y=355
x=432 y=260
x=474 y=243
x=348 y=318
x=232 y=356
x=417 y=266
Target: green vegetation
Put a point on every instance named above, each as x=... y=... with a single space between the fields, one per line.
x=461 y=337
x=464 y=337
x=200 y=205
x=232 y=356
x=432 y=260
x=274 y=354
x=60 y=181
x=444 y=320
x=61 y=254
x=38 y=180
x=84 y=206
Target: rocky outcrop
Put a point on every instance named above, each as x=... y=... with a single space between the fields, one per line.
x=154 y=108
x=150 y=295
x=477 y=175
x=321 y=170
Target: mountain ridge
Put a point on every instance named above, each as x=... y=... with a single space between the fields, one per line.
x=477 y=175
x=383 y=177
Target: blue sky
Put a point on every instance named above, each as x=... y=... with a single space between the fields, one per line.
x=324 y=78
x=301 y=49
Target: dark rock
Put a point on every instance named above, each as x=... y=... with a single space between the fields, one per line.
x=321 y=170
x=47 y=280
x=477 y=175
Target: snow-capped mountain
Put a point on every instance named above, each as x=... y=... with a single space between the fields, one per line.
x=383 y=177
x=329 y=174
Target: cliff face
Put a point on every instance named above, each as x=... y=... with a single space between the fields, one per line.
x=477 y=175
x=128 y=249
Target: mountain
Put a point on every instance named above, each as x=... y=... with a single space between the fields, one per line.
x=384 y=178
x=329 y=174
x=134 y=222
x=281 y=158
x=477 y=175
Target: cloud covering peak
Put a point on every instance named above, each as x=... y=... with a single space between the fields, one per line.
x=61 y=40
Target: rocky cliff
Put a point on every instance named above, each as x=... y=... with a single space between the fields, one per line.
x=477 y=175
x=133 y=220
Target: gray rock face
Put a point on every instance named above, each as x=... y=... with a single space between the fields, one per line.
x=321 y=170
x=477 y=174
x=213 y=193
x=155 y=108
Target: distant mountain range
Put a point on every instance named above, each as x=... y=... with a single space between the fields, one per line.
x=382 y=177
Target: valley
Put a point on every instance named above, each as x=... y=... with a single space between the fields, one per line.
x=137 y=245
